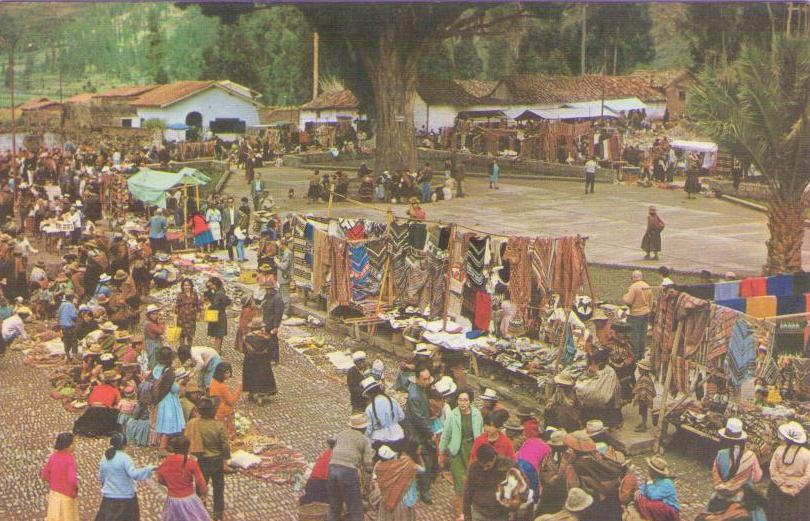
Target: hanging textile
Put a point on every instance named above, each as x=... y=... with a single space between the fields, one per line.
x=302 y=255
x=715 y=344
x=726 y=290
x=694 y=313
x=417 y=236
x=570 y=346
x=364 y=283
x=399 y=239
x=801 y=283
x=378 y=254
x=761 y=307
x=568 y=268
x=320 y=260
x=475 y=260
x=780 y=285
x=542 y=262
x=437 y=277
x=754 y=287
x=742 y=353
x=520 y=275
x=340 y=289
x=483 y=310
x=737 y=304
x=663 y=327
x=416 y=284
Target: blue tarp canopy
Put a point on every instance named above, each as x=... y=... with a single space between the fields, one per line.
x=177 y=126
x=150 y=186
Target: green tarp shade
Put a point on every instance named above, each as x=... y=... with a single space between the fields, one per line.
x=150 y=186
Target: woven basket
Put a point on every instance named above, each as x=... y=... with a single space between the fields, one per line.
x=313 y=512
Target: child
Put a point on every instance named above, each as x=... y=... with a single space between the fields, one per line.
x=644 y=393
x=60 y=473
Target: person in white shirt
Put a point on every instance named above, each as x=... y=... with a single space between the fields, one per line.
x=590 y=173
x=665 y=280
x=13 y=327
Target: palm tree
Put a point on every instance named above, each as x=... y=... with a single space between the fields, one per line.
x=759 y=108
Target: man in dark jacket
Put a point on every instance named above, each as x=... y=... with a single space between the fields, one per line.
x=420 y=430
x=483 y=478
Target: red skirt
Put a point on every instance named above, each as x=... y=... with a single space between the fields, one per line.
x=656 y=510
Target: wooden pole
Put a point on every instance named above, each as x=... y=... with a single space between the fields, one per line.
x=331 y=198
x=384 y=280
x=662 y=415
x=185 y=215
x=448 y=276
x=315 y=79
x=561 y=343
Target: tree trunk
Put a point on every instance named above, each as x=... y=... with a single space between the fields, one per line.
x=393 y=77
x=786 y=226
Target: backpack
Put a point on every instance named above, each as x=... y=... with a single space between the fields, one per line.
x=149 y=392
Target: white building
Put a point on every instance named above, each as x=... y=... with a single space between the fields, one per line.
x=330 y=108
x=222 y=107
x=438 y=102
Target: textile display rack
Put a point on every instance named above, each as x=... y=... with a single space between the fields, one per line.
x=449 y=285
x=717 y=362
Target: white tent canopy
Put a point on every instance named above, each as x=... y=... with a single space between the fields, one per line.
x=694 y=146
x=573 y=113
x=615 y=105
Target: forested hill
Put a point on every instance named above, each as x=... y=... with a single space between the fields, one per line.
x=269 y=49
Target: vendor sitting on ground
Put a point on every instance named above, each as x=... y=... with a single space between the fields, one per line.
x=598 y=391
x=101 y=416
x=13 y=327
x=657 y=500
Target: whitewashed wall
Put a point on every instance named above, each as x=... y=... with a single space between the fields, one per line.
x=213 y=103
x=325 y=116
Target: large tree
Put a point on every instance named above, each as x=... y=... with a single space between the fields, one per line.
x=760 y=109
x=389 y=41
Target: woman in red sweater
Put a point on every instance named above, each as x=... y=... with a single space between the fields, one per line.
x=60 y=473
x=493 y=422
x=181 y=474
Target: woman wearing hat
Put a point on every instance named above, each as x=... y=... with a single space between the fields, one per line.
x=789 y=491
x=153 y=332
x=651 y=243
x=396 y=478
x=461 y=427
x=415 y=212
x=101 y=416
x=257 y=367
x=553 y=474
x=734 y=472
x=384 y=416
x=578 y=507
x=187 y=307
x=657 y=500
x=564 y=408
x=597 y=476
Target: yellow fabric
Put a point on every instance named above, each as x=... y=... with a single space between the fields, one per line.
x=761 y=307
x=212 y=315
x=62 y=508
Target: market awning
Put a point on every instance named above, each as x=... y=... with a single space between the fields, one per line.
x=694 y=146
x=616 y=105
x=481 y=114
x=150 y=186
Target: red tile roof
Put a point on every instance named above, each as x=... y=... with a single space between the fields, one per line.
x=163 y=95
x=269 y=115
x=340 y=99
x=127 y=91
x=38 y=103
x=661 y=79
x=459 y=93
x=81 y=98
x=568 y=89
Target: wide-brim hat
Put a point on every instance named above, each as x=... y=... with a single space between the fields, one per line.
x=358 y=421
x=368 y=384
x=123 y=336
x=108 y=326
x=580 y=442
x=489 y=395
x=557 y=438
x=181 y=373
x=104 y=278
x=120 y=275
x=386 y=453
x=102 y=299
x=578 y=500
x=94 y=349
x=733 y=430
x=111 y=375
x=151 y=308
x=660 y=466
x=595 y=427
x=645 y=364
x=793 y=432
x=564 y=379
x=358 y=356
x=422 y=350
x=512 y=424
x=40 y=264
x=264 y=268
x=445 y=386
x=413 y=200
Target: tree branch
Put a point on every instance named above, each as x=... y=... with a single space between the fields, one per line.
x=474 y=25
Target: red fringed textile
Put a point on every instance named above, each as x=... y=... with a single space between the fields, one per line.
x=340 y=289
x=520 y=275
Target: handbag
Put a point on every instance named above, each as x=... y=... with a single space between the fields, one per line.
x=173 y=332
x=211 y=315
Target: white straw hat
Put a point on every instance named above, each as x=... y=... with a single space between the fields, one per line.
x=793 y=432
x=733 y=430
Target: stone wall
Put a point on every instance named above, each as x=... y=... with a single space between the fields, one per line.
x=755 y=191
x=473 y=163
